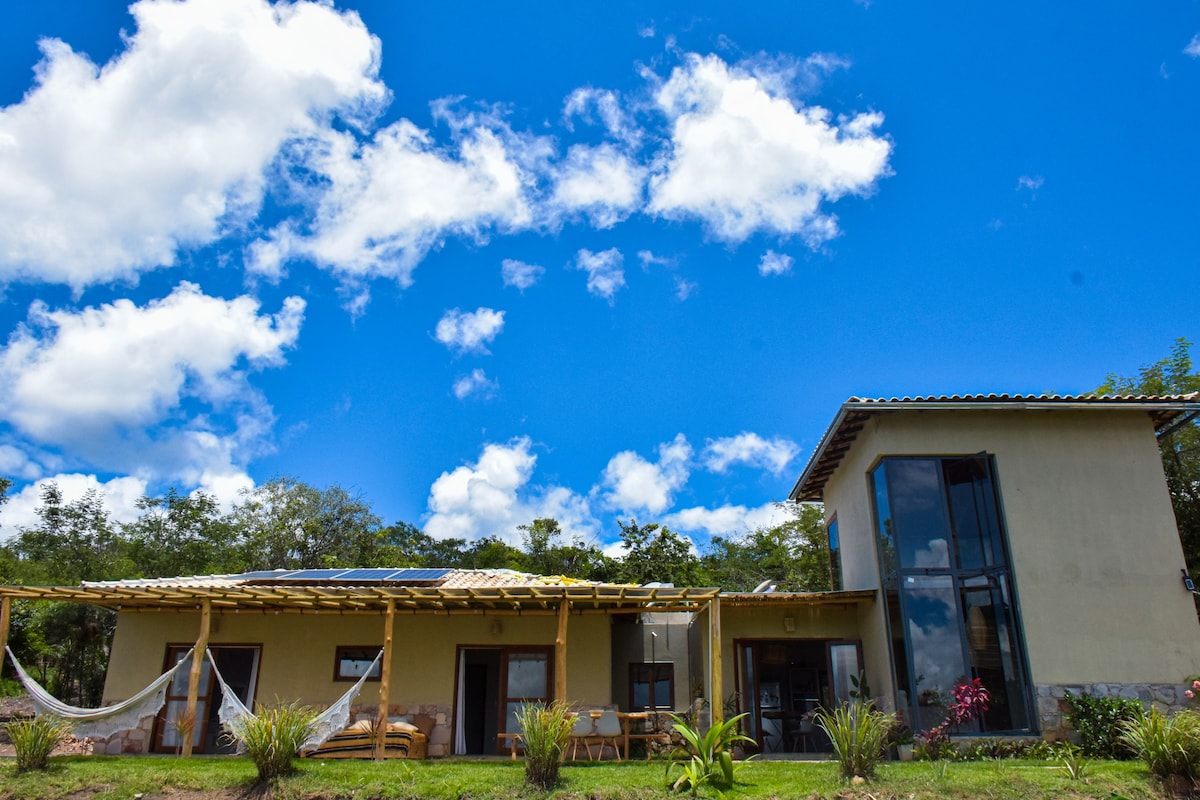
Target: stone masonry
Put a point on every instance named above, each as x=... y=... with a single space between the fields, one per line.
x=1052 y=703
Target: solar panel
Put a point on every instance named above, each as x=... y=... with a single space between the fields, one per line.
x=362 y=575
x=262 y=573
x=315 y=574
x=420 y=574
x=384 y=573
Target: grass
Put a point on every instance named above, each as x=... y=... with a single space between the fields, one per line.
x=122 y=778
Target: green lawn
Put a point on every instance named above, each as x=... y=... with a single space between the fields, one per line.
x=100 y=778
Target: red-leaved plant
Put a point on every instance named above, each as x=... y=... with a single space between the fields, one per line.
x=970 y=702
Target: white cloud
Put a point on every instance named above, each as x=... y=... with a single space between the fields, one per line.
x=605 y=275
x=492 y=497
x=727 y=520
x=1032 y=183
x=744 y=158
x=519 y=274
x=469 y=331
x=599 y=182
x=118 y=386
x=603 y=107
x=1193 y=47
x=773 y=455
x=631 y=483
x=120 y=498
x=648 y=259
x=684 y=288
x=773 y=263
x=108 y=170
x=385 y=204
x=476 y=383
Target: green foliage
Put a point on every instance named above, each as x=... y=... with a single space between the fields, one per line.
x=709 y=757
x=544 y=554
x=1099 y=721
x=545 y=733
x=793 y=555
x=862 y=689
x=1074 y=763
x=1168 y=745
x=859 y=735
x=272 y=737
x=34 y=738
x=656 y=553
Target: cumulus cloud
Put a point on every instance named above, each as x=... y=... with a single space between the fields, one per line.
x=110 y=169
x=519 y=274
x=469 y=331
x=1193 y=47
x=727 y=520
x=162 y=387
x=600 y=183
x=120 y=498
x=477 y=383
x=605 y=274
x=493 y=496
x=382 y=206
x=773 y=263
x=601 y=107
x=751 y=449
x=632 y=483
x=744 y=158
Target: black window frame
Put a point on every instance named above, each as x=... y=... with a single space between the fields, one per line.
x=652 y=668
x=368 y=653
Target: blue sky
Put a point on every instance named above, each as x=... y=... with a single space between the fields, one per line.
x=487 y=262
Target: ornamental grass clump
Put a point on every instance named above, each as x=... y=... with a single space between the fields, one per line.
x=545 y=733
x=1170 y=746
x=34 y=738
x=859 y=735
x=273 y=735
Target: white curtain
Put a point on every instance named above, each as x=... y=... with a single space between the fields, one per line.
x=460 y=735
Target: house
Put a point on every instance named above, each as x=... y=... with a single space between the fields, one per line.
x=1028 y=541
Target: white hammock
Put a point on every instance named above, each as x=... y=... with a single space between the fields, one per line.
x=234 y=714
x=101 y=723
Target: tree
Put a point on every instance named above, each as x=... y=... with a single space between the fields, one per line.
x=793 y=555
x=72 y=542
x=1179 y=444
x=655 y=553
x=182 y=535
x=291 y=525
x=546 y=555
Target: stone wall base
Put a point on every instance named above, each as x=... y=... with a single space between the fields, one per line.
x=1052 y=703
x=133 y=740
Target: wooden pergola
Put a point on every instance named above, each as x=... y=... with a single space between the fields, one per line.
x=209 y=596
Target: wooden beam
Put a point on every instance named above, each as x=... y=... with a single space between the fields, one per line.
x=198 y=656
x=714 y=653
x=560 y=652
x=385 y=680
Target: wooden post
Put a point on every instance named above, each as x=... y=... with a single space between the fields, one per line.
x=385 y=680
x=714 y=654
x=198 y=656
x=560 y=652
x=5 y=613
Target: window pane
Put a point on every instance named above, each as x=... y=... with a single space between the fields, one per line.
x=935 y=642
x=844 y=658
x=992 y=651
x=972 y=511
x=641 y=695
x=179 y=683
x=887 y=528
x=835 y=557
x=918 y=513
x=527 y=673
x=662 y=693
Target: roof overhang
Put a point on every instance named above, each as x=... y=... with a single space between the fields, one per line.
x=1163 y=410
x=854 y=597
x=294 y=599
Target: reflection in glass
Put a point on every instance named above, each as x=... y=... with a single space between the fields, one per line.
x=527 y=674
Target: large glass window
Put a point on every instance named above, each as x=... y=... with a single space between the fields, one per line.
x=652 y=687
x=948 y=587
x=835 y=556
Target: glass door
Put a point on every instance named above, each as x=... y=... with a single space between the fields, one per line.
x=171 y=725
x=525 y=678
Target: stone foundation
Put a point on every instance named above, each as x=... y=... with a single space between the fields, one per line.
x=1052 y=703
x=133 y=740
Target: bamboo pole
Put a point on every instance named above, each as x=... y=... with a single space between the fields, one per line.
x=385 y=680
x=560 y=652
x=188 y=731
x=714 y=653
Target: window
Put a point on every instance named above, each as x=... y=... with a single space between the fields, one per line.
x=949 y=589
x=352 y=662
x=651 y=687
x=835 y=555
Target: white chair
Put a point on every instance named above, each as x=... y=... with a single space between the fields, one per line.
x=581 y=733
x=608 y=729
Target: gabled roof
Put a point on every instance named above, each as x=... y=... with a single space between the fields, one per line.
x=854 y=413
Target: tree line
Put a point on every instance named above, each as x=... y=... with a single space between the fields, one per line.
x=286 y=523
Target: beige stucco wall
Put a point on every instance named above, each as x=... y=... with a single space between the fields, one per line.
x=1096 y=554
x=298 y=652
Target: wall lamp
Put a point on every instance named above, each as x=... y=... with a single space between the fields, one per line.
x=1188 y=583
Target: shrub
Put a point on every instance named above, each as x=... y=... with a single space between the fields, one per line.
x=273 y=735
x=710 y=756
x=970 y=701
x=1168 y=745
x=859 y=735
x=1099 y=721
x=34 y=738
x=546 y=732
